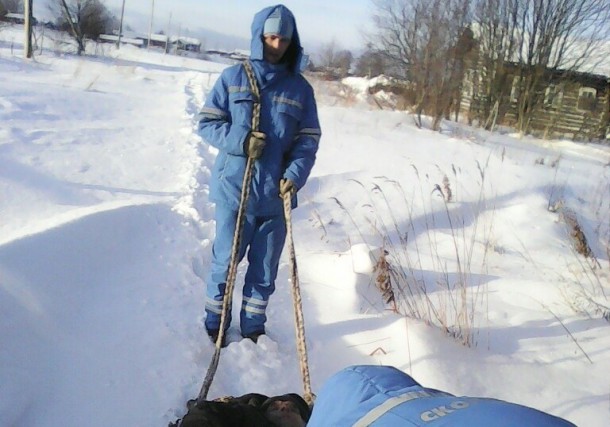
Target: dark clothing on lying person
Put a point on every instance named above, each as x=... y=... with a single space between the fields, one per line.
x=250 y=410
x=383 y=396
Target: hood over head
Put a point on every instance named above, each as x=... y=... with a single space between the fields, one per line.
x=279 y=23
x=277 y=19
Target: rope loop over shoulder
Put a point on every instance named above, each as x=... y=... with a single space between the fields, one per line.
x=256 y=110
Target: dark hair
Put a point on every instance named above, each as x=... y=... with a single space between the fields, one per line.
x=291 y=56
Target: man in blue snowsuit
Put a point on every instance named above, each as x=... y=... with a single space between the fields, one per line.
x=283 y=148
x=383 y=396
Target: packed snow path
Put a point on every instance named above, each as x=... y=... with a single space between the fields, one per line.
x=106 y=229
x=108 y=271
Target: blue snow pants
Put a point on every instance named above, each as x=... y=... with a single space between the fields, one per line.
x=263 y=237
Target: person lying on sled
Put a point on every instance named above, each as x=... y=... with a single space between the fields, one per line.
x=383 y=396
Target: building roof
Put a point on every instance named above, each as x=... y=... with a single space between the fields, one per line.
x=185 y=40
x=158 y=37
x=114 y=38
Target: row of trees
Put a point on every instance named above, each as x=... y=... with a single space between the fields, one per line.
x=83 y=19
x=340 y=62
x=430 y=43
x=334 y=59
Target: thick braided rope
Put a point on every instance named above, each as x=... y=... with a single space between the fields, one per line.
x=241 y=216
x=298 y=306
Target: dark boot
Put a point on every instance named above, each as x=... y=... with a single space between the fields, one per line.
x=213 y=334
x=254 y=336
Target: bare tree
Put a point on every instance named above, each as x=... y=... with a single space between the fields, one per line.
x=343 y=62
x=426 y=42
x=497 y=37
x=335 y=59
x=559 y=35
x=83 y=19
x=328 y=53
x=371 y=63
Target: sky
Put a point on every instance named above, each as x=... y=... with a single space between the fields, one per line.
x=106 y=235
x=318 y=21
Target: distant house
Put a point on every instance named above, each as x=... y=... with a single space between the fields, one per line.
x=112 y=38
x=157 y=40
x=236 y=55
x=15 y=18
x=239 y=55
x=570 y=104
x=188 y=44
x=573 y=105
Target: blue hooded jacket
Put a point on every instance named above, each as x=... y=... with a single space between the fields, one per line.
x=383 y=396
x=288 y=117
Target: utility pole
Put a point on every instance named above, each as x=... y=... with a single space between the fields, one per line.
x=152 y=13
x=118 y=42
x=27 y=5
x=169 y=27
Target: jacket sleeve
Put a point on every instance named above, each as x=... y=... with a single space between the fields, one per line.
x=216 y=126
x=302 y=155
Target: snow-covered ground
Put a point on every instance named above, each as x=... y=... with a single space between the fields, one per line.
x=106 y=230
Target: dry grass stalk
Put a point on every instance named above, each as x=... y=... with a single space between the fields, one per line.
x=569 y=333
x=447 y=190
x=577 y=235
x=400 y=269
x=383 y=280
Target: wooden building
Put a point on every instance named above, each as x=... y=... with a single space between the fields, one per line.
x=15 y=18
x=188 y=44
x=566 y=104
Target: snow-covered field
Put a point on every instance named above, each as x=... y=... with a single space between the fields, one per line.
x=106 y=230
